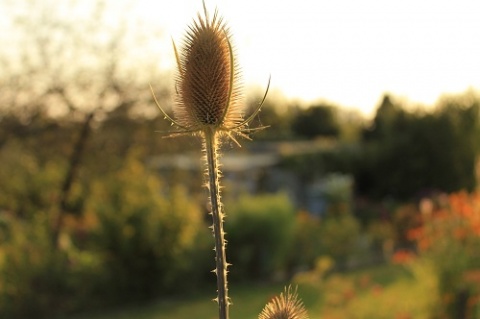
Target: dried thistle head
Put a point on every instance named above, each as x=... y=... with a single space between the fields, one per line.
x=208 y=85
x=285 y=306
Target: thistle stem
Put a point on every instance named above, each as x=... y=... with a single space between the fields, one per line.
x=211 y=144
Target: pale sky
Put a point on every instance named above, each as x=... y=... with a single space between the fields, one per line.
x=348 y=52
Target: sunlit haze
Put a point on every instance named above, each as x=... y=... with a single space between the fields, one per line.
x=345 y=52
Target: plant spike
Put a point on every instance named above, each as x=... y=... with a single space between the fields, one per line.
x=208 y=103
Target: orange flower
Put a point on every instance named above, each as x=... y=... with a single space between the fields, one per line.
x=402 y=257
x=424 y=244
x=460 y=233
x=415 y=233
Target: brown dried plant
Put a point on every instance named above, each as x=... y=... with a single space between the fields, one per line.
x=209 y=103
x=285 y=306
x=209 y=95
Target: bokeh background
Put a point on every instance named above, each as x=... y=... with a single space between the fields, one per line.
x=363 y=190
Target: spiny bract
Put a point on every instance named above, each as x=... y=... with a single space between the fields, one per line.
x=286 y=306
x=208 y=87
x=208 y=79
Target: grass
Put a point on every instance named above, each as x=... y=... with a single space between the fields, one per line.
x=248 y=302
x=385 y=291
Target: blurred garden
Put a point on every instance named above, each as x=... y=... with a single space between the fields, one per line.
x=101 y=216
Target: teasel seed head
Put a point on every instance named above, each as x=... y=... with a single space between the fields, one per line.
x=208 y=84
x=209 y=91
x=285 y=306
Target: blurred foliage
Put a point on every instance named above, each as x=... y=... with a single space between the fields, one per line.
x=387 y=291
x=315 y=121
x=129 y=239
x=449 y=239
x=151 y=240
x=401 y=154
x=307 y=243
x=288 y=120
x=260 y=233
x=340 y=238
x=332 y=230
x=127 y=236
x=406 y=154
x=364 y=298
x=128 y=233
x=39 y=281
x=335 y=237
x=28 y=185
x=336 y=158
x=275 y=116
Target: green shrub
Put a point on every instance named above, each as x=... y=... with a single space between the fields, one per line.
x=38 y=280
x=407 y=296
x=306 y=243
x=260 y=234
x=149 y=239
x=448 y=238
x=133 y=240
x=381 y=292
x=27 y=185
x=340 y=238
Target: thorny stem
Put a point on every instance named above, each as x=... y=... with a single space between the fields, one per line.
x=211 y=144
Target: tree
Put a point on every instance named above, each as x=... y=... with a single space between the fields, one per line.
x=65 y=60
x=388 y=113
x=407 y=154
x=318 y=120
